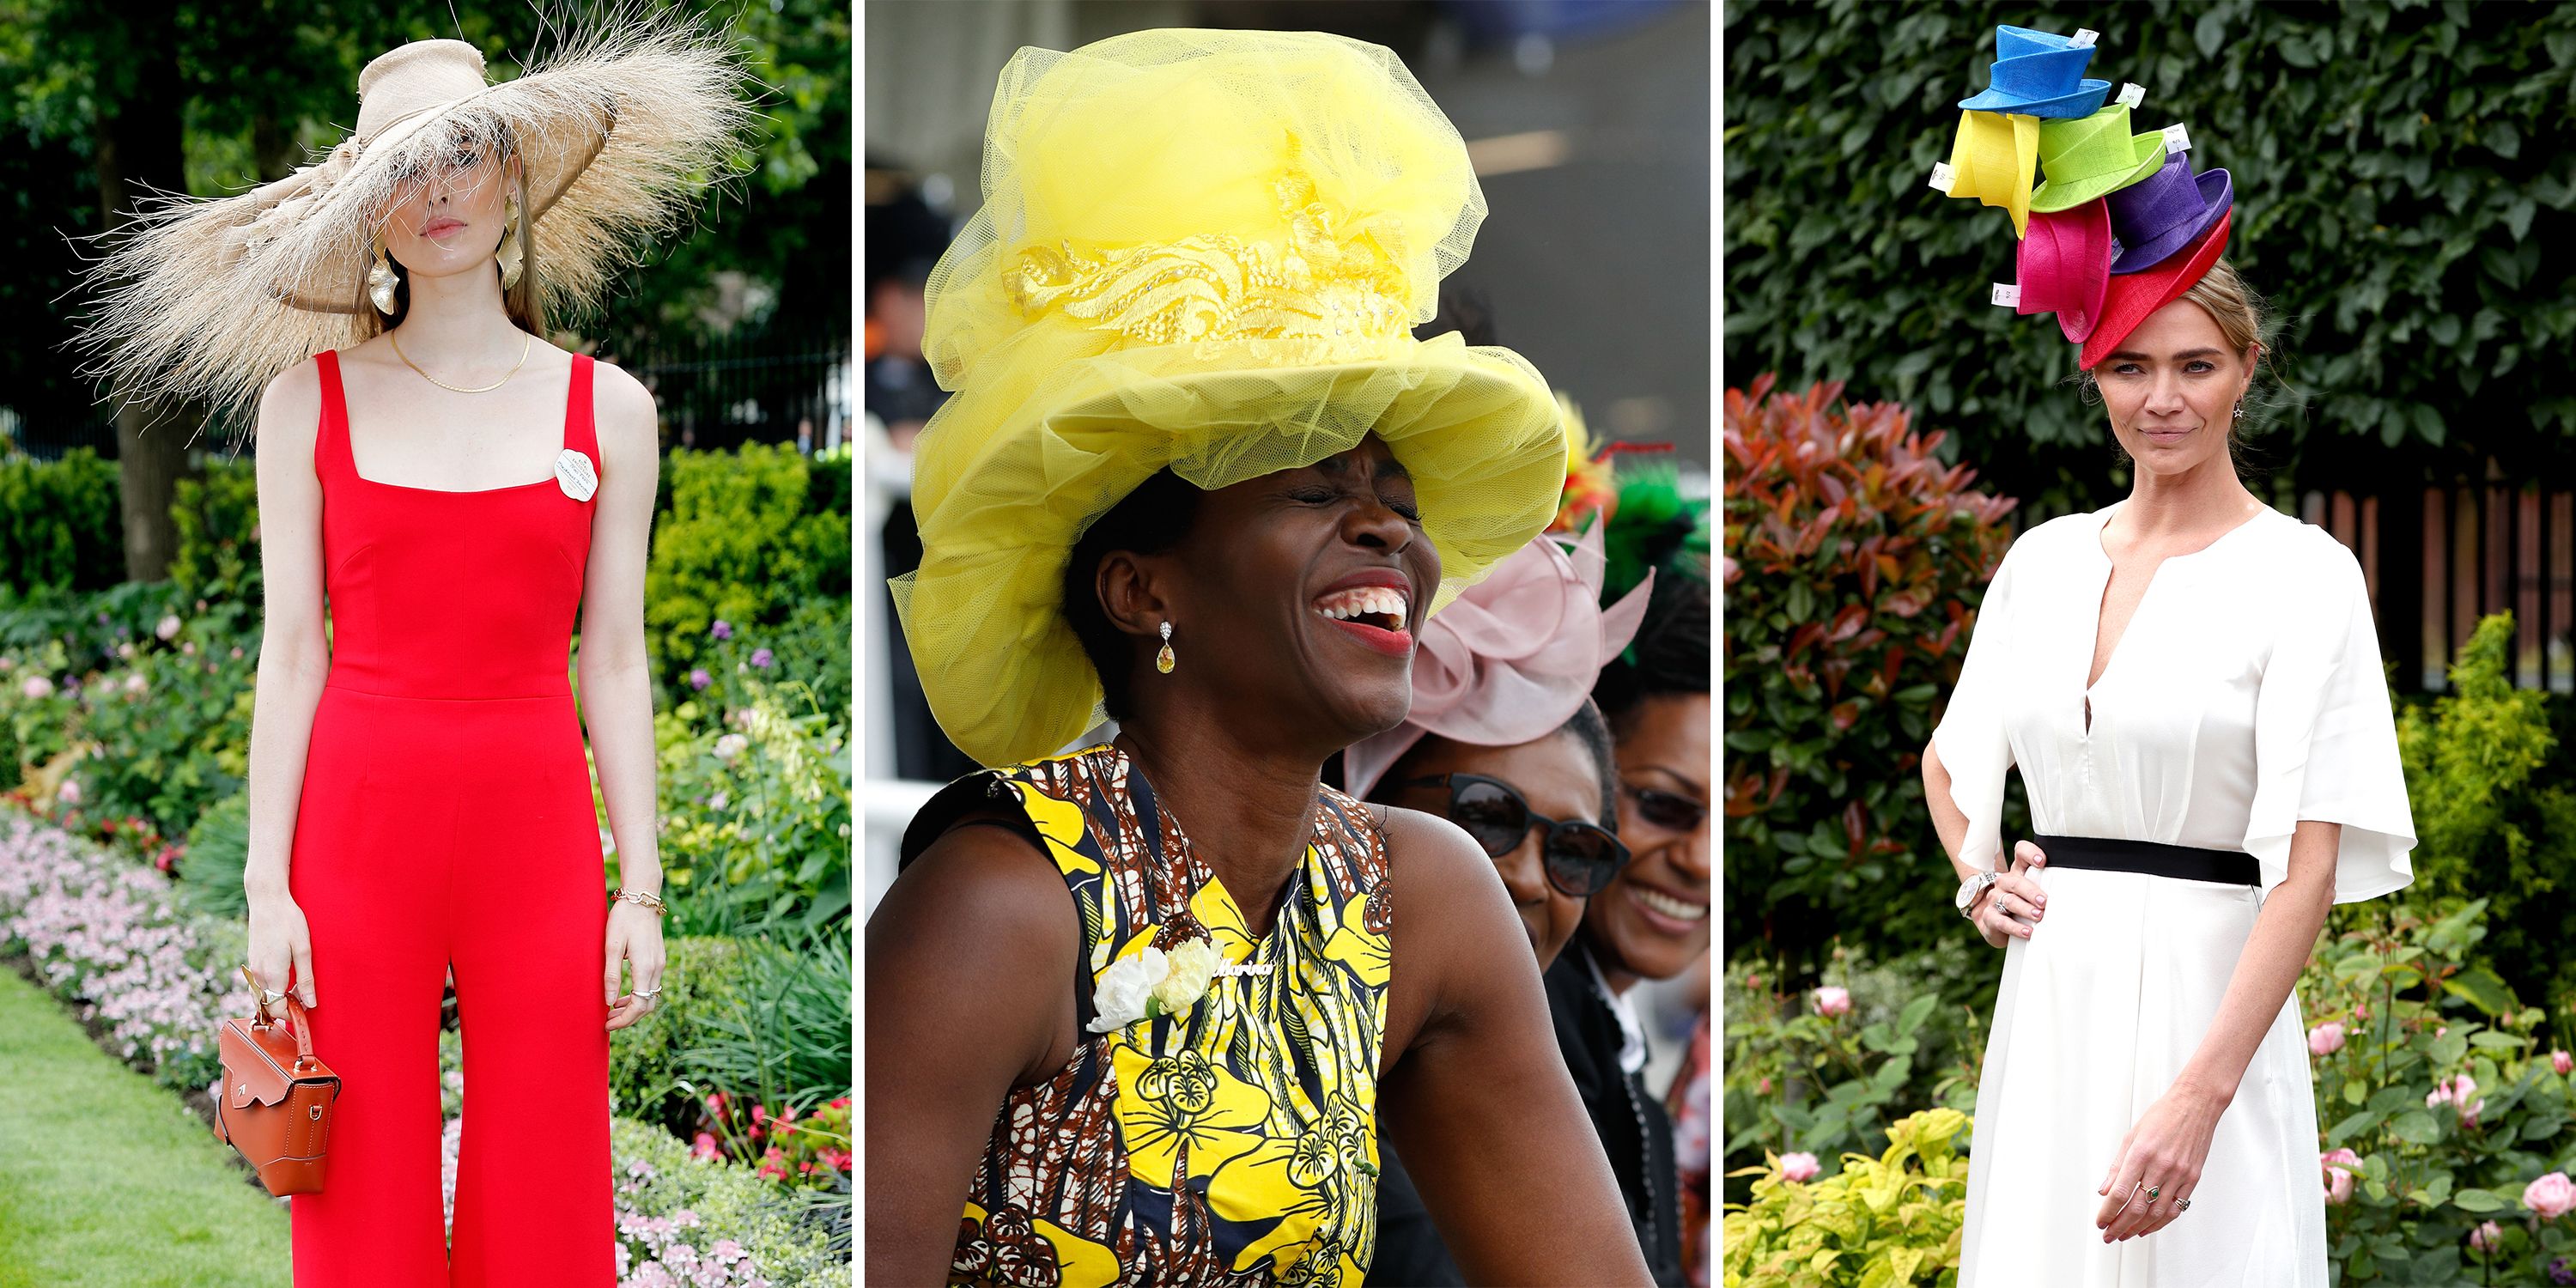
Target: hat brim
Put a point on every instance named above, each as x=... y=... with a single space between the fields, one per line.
x=1009 y=474
x=2217 y=195
x=2070 y=284
x=2049 y=198
x=2131 y=299
x=2085 y=101
x=208 y=299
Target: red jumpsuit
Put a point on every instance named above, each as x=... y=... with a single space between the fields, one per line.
x=446 y=823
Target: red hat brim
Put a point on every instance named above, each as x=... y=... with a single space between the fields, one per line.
x=2134 y=296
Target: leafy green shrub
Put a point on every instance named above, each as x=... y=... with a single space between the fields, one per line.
x=646 y=1079
x=2415 y=214
x=2490 y=819
x=1893 y=1219
x=756 y=810
x=171 y=726
x=60 y=526
x=217 y=518
x=738 y=546
x=781 y=1034
x=805 y=660
x=791 y=1244
x=1854 y=563
x=210 y=867
x=2430 y=1071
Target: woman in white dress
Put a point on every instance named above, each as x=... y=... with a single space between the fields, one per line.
x=2189 y=682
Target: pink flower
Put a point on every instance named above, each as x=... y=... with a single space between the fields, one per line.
x=837 y=1160
x=1763 y=1086
x=705 y=1146
x=2551 y=1196
x=2486 y=1236
x=699 y=679
x=715 y=1102
x=759 y=1113
x=1833 y=1001
x=2325 y=1039
x=2562 y=1062
x=2442 y=1031
x=169 y=627
x=70 y=792
x=2361 y=1011
x=723 y=630
x=762 y=658
x=135 y=683
x=2458 y=1093
x=1798 y=1167
x=2340 y=1166
x=37 y=686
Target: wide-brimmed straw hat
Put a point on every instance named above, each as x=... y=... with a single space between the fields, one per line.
x=209 y=298
x=1207 y=251
x=2132 y=297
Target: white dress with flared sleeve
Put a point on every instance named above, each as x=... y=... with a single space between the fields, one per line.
x=2245 y=695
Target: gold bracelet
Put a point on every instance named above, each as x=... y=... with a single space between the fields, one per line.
x=642 y=900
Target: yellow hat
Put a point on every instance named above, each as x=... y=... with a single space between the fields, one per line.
x=1993 y=161
x=1202 y=250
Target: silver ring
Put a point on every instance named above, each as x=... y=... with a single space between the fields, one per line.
x=269 y=997
x=2182 y=1205
x=648 y=992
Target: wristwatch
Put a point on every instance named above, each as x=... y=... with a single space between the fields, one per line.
x=1971 y=888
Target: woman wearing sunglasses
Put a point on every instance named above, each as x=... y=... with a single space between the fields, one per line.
x=1650 y=921
x=1503 y=740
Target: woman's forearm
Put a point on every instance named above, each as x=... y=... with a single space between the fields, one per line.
x=2285 y=936
x=617 y=707
x=1948 y=819
x=286 y=693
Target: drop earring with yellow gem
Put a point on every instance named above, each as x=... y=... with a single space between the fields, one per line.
x=1163 y=660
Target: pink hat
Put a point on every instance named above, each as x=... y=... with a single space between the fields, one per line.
x=2065 y=266
x=1512 y=659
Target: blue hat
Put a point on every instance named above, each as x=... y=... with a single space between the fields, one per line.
x=2039 y=73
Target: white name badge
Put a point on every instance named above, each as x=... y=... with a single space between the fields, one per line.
x=573 y=473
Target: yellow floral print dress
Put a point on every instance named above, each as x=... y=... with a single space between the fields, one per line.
x=1234 y=1143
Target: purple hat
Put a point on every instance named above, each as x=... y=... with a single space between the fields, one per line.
x=2165 y=212
x=2039 y=73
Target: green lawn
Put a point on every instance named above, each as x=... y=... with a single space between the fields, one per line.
x=106 y=1178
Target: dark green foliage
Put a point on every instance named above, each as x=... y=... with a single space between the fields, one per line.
x=210 y=872
x=782 y=1035
x=738 y=545
x=59 y=526
x=645 y=1076
x=2494 y=818
x=215 y=515
x=2400 y=198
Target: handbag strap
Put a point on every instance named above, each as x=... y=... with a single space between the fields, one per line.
x=296 y=1022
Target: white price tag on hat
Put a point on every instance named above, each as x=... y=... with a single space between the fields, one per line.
x=2008 y=295
x=1943 y=177
x=2177 y=139
x=2083 y=38
x=2132 y=94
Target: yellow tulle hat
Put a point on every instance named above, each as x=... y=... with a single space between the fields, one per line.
x=1202 y=250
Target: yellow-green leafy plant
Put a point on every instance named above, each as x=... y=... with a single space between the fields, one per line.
x=1882 y=1222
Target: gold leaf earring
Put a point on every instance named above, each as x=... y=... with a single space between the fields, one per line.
x=381 y=280
x=511 y=252
x=1163 y=660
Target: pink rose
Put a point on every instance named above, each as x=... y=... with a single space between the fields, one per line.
x=1833 y=1001
x=168 y=628
x=2325 y=1039
x=2551 y=1196
x=2459 y=1093
x=2486 y=1236
x=2562 y=1062
x=1803 y=1167
x=2340 y=1167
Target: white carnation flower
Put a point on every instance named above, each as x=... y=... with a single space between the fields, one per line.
x=1119 y=999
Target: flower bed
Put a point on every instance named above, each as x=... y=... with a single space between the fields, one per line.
x=108 y=934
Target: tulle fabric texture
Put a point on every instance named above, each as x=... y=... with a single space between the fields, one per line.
x=1203 y=251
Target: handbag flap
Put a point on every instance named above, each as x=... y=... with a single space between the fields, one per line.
x=258 y=1063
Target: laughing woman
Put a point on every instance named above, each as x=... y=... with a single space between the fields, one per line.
x=2189 y=683
x=1135 y=1013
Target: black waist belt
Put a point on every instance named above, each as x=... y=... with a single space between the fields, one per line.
x=2154 y=858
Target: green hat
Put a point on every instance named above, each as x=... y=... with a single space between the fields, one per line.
x=2092 y=157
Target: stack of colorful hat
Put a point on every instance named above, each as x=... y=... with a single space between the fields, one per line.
x=2118 y=225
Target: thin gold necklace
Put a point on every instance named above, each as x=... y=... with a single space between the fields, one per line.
x=524 y=348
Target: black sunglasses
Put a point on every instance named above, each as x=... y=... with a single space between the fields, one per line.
x=1580 y=857
x=1666 y=810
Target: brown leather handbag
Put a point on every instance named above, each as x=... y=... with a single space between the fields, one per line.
x=276 y=1101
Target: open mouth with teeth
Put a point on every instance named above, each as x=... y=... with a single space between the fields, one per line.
x=1371 y=615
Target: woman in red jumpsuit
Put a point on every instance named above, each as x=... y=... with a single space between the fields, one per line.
x=444 y=497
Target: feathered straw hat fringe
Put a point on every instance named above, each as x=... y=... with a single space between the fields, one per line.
x=207 y=299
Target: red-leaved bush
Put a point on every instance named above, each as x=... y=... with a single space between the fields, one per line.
x=1854 y=562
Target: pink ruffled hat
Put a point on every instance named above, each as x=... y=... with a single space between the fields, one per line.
x=1512 y=659
x=2064 y=267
